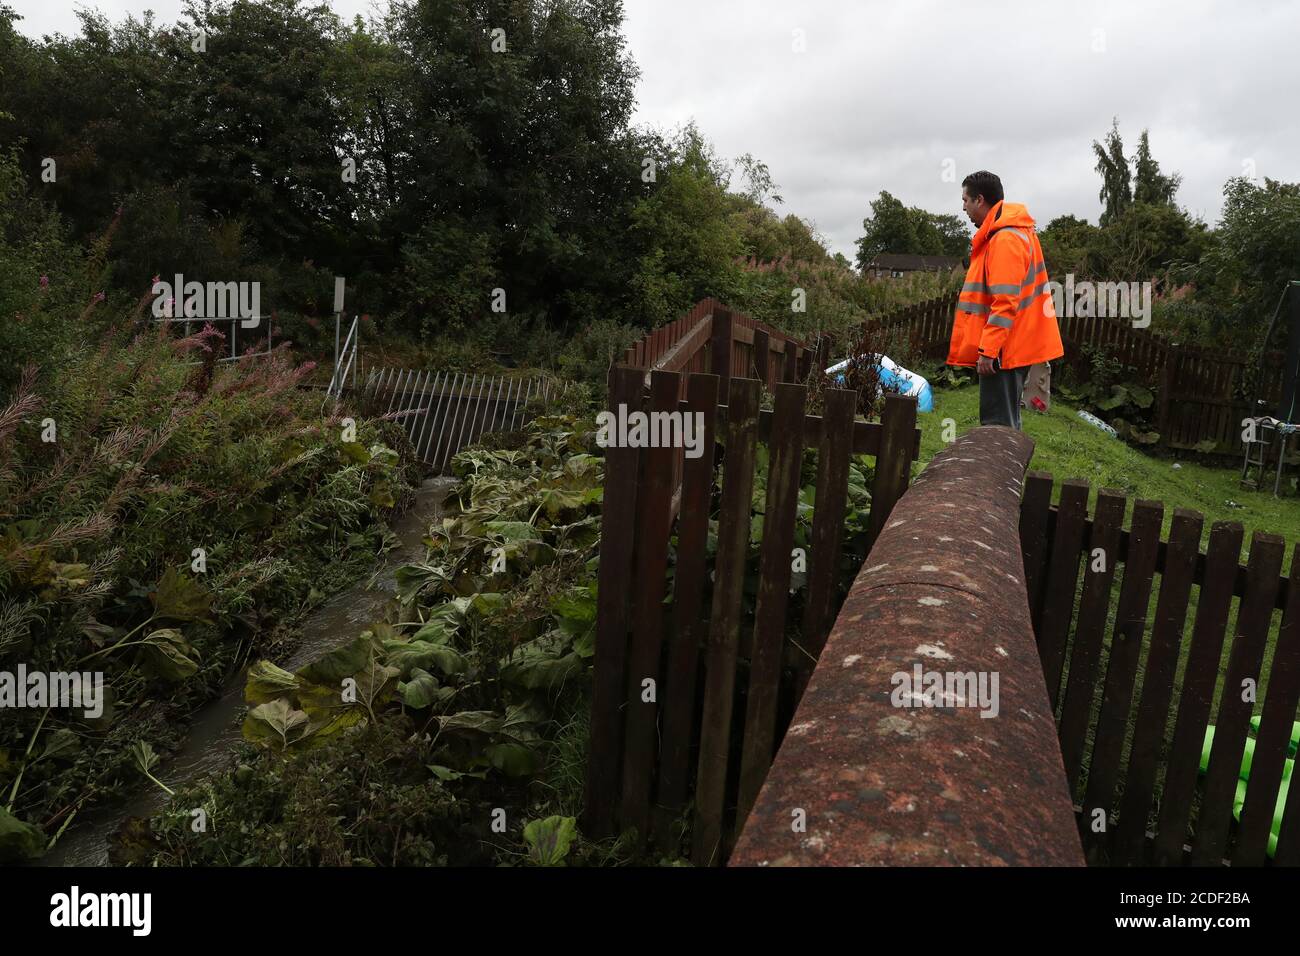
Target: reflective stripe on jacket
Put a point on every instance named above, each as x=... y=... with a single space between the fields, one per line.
x=1005 y=309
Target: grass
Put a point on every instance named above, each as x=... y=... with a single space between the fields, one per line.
x=1068 y=447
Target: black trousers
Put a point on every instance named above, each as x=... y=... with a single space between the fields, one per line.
x=1000 y=396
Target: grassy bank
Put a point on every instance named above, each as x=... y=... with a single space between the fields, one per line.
x=1068 y=447
x=162 y=517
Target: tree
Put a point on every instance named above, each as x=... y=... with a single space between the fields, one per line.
x=895 y=228
x=898 y=229
x=889 y=228
x=1149 y=184
x=527 y=144
x=759 y=178
x=1256 y=250
x=1067 y=243
x=685 y=235
x=1116 y=191
x=940 y=235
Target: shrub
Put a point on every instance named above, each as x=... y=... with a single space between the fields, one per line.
x=112 y=473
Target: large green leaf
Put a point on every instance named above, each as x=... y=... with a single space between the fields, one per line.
x=143 y=754
x=584 y=466
x=549 y=840
x=18 y=840
x=513 y=759
x=412 y=579
x=1141 y=396
x=355 y=451
x=266 y=682
x=484 y=603
x=1118 y=396
x=513 y=530
x=180 y=598
x=436 y=631
x=577 y=607
x=168 y=655
x=542 y=663
x=472 y=721
x=555 y=500
x=276 y=724
x=342 y=662
x=407 y=656
x=422 y=690
x=63 y=744
x=381 y=495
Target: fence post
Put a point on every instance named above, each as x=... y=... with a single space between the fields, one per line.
x=791 y=361
x=893 y=461
x=762 y=357
x=823 y=353
x=1166 y=385
x=616 y=550
x=721 y=349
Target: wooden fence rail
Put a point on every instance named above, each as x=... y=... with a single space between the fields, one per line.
x=1126 y=713
x=667 y=725
x=713 y=338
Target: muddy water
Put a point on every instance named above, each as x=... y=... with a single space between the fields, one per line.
x=215 y=729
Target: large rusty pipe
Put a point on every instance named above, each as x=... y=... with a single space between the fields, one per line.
x=925 y=736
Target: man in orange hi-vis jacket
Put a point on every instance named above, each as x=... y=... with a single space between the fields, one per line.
x=1005 y=321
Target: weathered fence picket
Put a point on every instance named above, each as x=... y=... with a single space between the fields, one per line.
x=706 y=729
x=1120 y=744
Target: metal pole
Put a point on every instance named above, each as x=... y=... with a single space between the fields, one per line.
x=462 y=410
x=474 y=421
x=338 y=318
x=510 y=394
x=519 y=409
x=459 y=444
x=490 y=420
x=417 y=394
x=426 y=427
x=442 y=429
x=397 y=387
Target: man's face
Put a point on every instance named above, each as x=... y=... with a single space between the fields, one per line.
x=976 y=209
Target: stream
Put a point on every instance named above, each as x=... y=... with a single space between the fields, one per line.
x=215 y=729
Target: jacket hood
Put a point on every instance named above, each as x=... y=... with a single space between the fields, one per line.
x=1002 y=214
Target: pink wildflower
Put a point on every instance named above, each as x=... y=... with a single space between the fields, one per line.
x=45 y=282
x=99 y=297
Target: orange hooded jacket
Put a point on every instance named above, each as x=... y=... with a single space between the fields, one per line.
x=1005 y=309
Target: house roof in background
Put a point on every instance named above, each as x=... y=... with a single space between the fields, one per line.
x=910 y=263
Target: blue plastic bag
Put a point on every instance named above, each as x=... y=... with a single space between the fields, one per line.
x=895 y=377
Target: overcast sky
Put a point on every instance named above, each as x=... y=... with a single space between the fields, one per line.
x=843 y=99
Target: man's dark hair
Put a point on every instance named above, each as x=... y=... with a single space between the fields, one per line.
x=985 y=184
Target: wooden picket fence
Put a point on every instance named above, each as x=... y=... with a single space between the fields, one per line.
x=752 y=348
x=1200 y=392
x=711 y=337
x=666 y=722
x=1146 y=743
x=443 y=412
